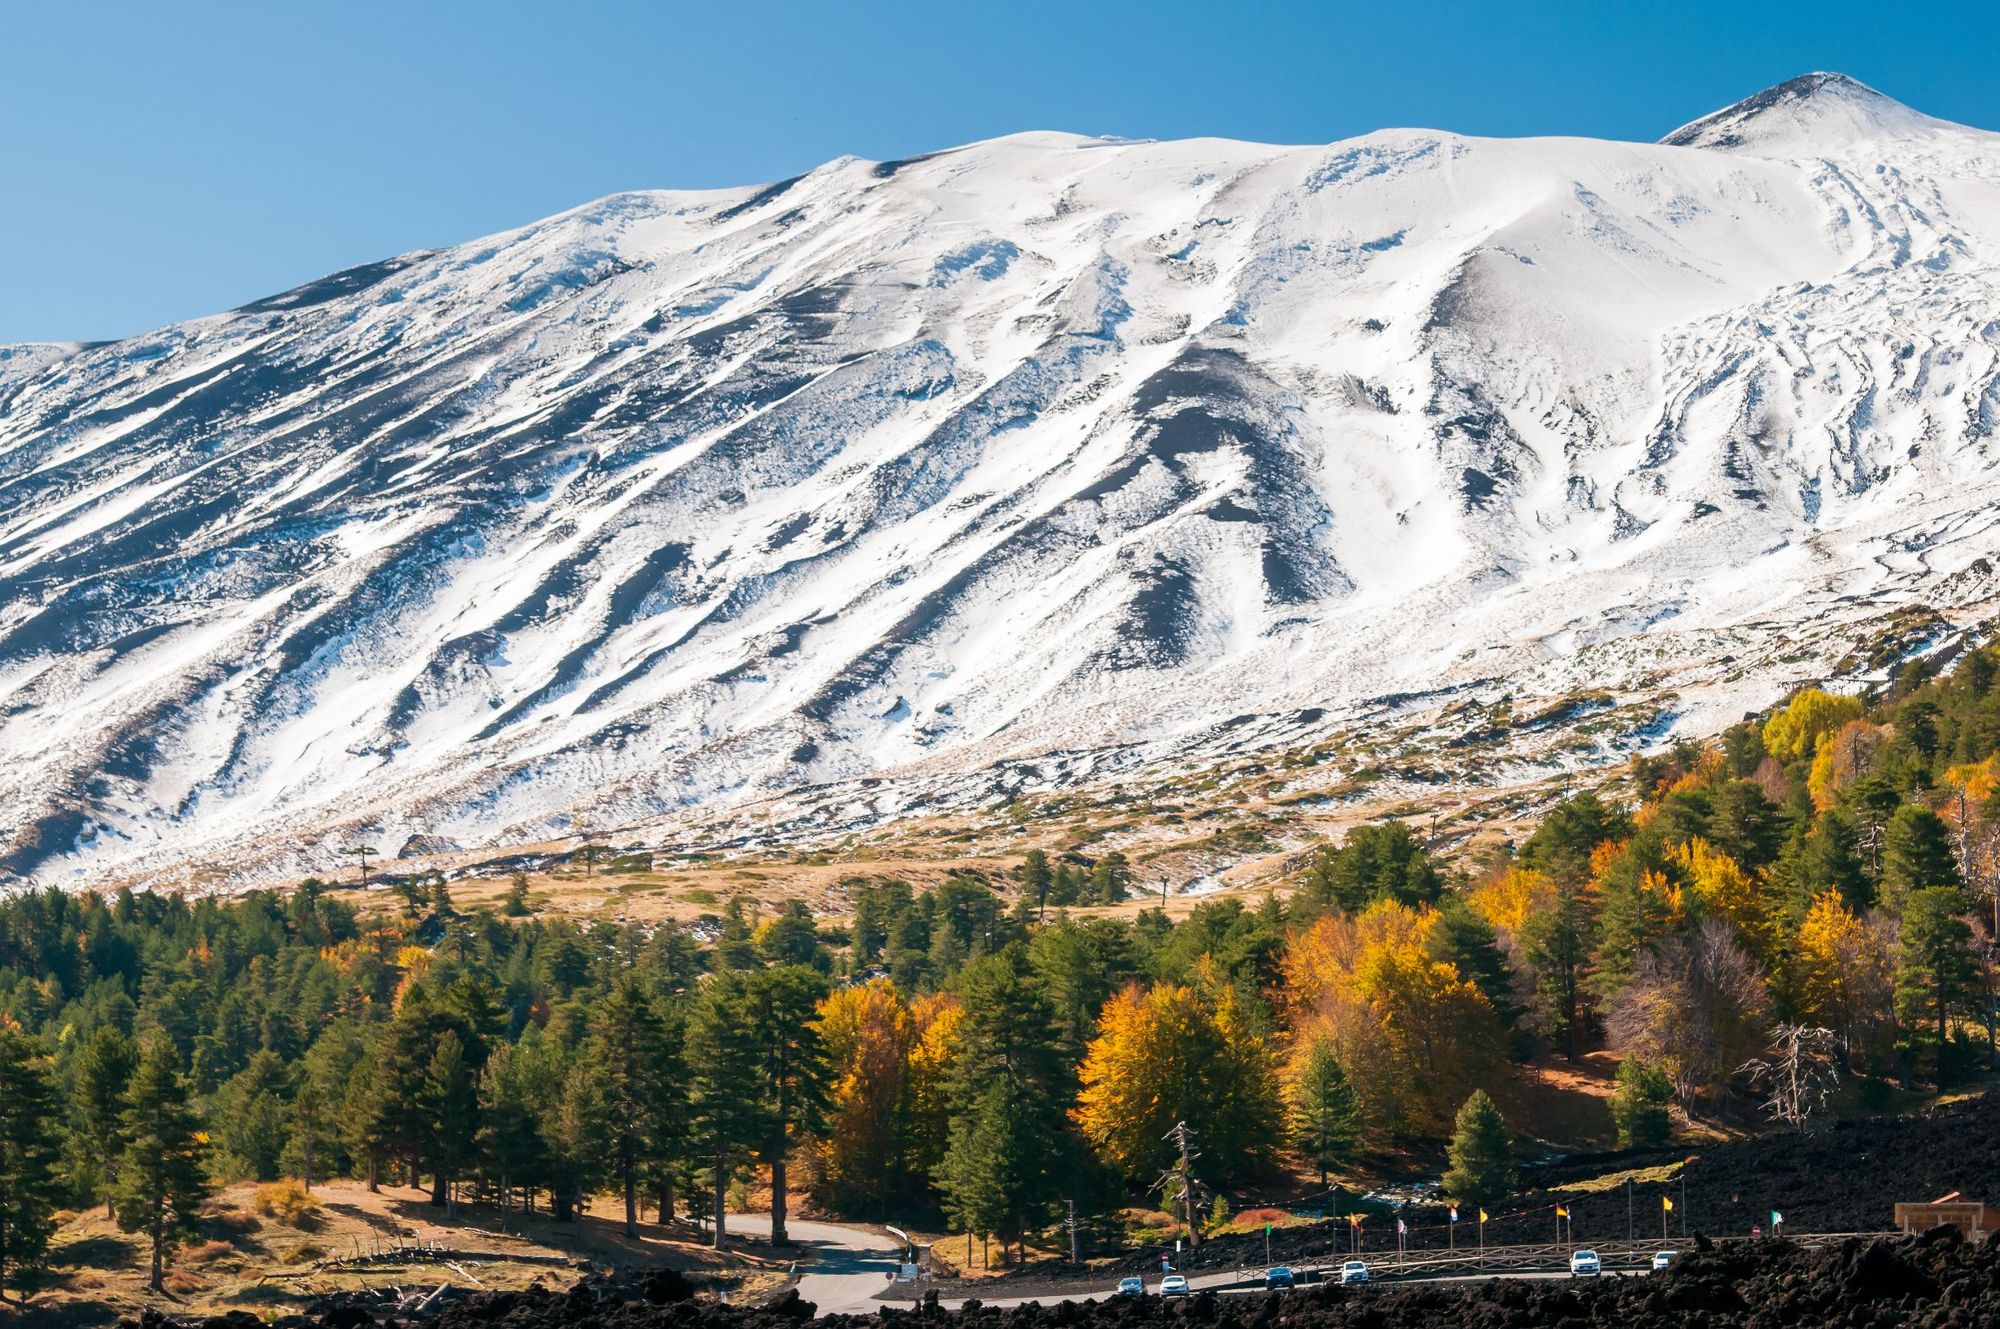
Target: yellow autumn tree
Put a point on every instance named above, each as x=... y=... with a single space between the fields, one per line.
x=1724 y=890
x=1170 y=1053
x=1843 y=756
x=1442 y=1035
x=1509 y=899
x=1840 y=972
x=1808 y=717
x=869 y=1034
x=1967 y=790
x=932 y=1055
x=1328 y=952
x=1411 y=1033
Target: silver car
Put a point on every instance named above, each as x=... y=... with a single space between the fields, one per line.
x=1661 y=1259
x=1354 y=1271
x=1174 y=1285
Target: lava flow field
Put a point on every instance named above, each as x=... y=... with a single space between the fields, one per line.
x=1934 y=1282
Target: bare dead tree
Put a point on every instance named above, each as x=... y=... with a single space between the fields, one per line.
x=1799 y=1073
x=1693 y=1008
x=1178 y=1183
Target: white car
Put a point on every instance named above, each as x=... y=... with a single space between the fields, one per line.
x=1661 y=1259
x=1585 y=1264
x=1354 y=1271
x=1174 y=1285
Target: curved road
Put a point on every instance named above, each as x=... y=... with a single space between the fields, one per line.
x=841 y=1267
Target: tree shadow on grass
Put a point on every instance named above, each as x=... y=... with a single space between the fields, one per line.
x=103 y=1251
x=43 y=1314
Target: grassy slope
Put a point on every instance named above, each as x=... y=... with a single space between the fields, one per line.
x=248 y=1261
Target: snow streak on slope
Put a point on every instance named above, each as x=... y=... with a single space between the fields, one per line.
x=1045 y=443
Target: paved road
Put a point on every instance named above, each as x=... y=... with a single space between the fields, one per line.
x=843 y=1267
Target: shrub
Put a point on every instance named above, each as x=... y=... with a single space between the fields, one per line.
x=1639 y=1107
x=288 y=1202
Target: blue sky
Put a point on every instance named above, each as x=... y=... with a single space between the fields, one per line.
x=164 y=161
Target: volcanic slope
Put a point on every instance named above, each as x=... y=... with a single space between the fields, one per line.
x=1037 y=449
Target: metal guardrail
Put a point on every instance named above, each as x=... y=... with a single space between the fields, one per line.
x=1543 y=1258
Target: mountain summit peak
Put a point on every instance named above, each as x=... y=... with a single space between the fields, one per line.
x=1806 y=115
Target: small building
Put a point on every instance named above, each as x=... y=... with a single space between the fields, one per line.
x=1954 y=1210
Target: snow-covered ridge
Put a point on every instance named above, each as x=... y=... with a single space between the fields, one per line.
x=1036 y=446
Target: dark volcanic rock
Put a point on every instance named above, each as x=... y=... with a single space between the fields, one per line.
x=1940 y=1281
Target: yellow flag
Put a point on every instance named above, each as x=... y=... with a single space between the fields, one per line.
x=1562 y=1212
x=1666 y=1202
x=1482 y=1215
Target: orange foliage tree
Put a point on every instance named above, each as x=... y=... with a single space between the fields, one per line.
x=1171 y=1053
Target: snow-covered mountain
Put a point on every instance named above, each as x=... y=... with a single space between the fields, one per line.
x=1044 y=445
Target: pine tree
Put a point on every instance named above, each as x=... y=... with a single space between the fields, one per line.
x=162 y=1176
x=641 y=1086
x=401 y=1119
x=793 y=1071
x=1036 y=878
x=982 y=1173
x=1934 y=969
x=252 y=1116
x=451 y=1094
x=575 y=1130
x=29 y=1184
x=1325 y=1120
x=1384 y=861
x=1481 y=1153
x=1460 y=937
x=103 y=1072
x=1639 y=1105
x=726 y=1108
x=1111 y=878
x=510 y=1140
x=1916 y=854
x=1557 y=940
x=1009 y=1143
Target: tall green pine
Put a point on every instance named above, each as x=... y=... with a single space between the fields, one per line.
x=793 y=1072
x=726 y=1109
x=1325 y=1119
x=163 y=1175
x=29 y=1183
x=103 y=1071
x=1481 y=1153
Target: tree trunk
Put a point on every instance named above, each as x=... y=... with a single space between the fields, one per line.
x=157 y=1281
x=1941 y=1033
x=438 y=1187
x=721 y=1187
x=778 y=1235
x=666 y=1200
x=374 y=1182
x=631 y=1204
